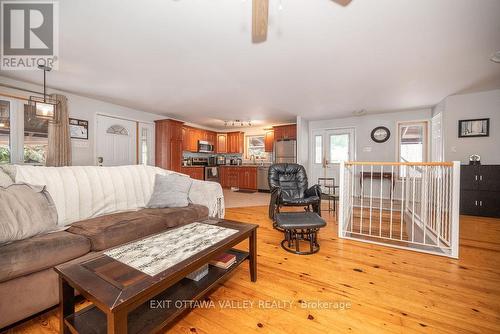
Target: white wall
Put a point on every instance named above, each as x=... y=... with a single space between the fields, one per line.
x=470 y=106
x=302 y=141
x=86 y=109
x=366 y=149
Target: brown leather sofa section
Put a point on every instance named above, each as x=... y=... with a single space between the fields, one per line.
x=27 y=295
x=116 y=229
x=40 y=252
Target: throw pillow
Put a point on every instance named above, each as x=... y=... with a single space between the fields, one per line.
x=170 y=191
x=5 y=179
x=25 y=211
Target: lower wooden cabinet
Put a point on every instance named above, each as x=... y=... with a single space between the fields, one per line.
x=240 y=177
x=197 y=172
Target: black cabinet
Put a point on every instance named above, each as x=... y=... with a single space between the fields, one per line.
x=480 y=190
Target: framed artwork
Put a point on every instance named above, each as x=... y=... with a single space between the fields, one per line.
x=474 y=127
x=78 y=129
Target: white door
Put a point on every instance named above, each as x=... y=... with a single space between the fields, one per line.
x=116 y=141
x=329 y=148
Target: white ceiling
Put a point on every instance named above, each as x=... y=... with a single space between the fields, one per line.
x=194 y=60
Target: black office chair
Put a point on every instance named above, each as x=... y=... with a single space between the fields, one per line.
x=288 y=184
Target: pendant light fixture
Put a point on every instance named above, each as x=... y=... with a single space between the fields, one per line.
x=45 y=107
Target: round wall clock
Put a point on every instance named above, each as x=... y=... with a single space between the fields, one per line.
x=380 y=134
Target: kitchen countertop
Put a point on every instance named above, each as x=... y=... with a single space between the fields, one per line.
x=192 y=166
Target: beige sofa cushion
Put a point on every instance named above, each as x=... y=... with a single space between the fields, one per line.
x=25 y=211
x=40 y=252
x=112 y=230
x=5 y=179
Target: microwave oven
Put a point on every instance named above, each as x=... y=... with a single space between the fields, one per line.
x=205 y=147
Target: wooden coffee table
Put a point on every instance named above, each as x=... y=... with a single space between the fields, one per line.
x=125 y=299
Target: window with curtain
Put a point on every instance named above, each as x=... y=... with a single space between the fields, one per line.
x=35 y=137
x=4 y=131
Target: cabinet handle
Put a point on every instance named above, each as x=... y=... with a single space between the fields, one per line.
x=480 y=177
x=480 y=203
x=476 y=203
x=476 y=177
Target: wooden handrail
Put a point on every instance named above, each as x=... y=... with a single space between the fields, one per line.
x=385 y=163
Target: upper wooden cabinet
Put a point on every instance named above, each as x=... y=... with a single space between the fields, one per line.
x=269 y=141
x=235 y=142
x=221 y=145
x=284 y=132
x=168 y=144
x=191 y=136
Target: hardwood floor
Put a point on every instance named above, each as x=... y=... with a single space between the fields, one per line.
x=383 y=289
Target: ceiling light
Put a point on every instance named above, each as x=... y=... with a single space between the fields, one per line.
x=45 y=107
x=2 y=125
x=495 y=57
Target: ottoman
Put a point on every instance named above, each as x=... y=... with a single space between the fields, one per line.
x=300 y=226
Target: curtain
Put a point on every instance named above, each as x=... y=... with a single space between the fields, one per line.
x=59 y=150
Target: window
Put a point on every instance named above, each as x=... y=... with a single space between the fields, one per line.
x=35 y=137
x=318 y=149
x=412 y=143
x=339 y=147
x=256 y=147
x=4 y=132
x=117 y=130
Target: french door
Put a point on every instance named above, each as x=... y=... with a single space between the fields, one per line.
x=329 y=148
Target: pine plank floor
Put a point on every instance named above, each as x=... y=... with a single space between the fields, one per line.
x=384 y=290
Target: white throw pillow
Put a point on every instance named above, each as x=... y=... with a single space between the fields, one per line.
x=170 y=191
x=25 y=211
x=5 y=179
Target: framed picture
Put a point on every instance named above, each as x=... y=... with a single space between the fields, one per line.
x=78 y=129
x=474 y=127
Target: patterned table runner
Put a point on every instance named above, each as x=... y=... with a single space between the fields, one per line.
x=157 y=253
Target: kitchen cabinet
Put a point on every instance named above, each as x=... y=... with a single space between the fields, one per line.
x=480 y=190
x=239 y=177
x=221 y=145
x=195 y=172
x=248 y=178
x=285 y=132
x=269 y=141
x=235 y=142
x=212 y=137
x=168 y=144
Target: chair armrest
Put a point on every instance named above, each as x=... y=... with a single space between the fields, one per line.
x=313 y=191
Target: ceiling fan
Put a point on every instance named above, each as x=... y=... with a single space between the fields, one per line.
x=260 y=15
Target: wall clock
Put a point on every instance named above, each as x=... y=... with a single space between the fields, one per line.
x=380 y=134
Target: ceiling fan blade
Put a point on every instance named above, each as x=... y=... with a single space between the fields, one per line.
x=342 y=2
x=260 y=13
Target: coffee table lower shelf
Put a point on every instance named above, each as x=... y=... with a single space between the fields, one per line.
x=147 y=319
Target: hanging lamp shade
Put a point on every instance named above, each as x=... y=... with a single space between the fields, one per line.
x=45 y=107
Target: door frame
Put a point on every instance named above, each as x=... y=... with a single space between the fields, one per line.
x=323 y=130
x=137 y=121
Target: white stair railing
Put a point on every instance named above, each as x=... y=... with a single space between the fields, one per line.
x=401 y=204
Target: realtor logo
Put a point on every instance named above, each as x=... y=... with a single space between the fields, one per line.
x=29 y=34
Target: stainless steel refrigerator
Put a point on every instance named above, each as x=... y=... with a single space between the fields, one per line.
x=285 y=151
